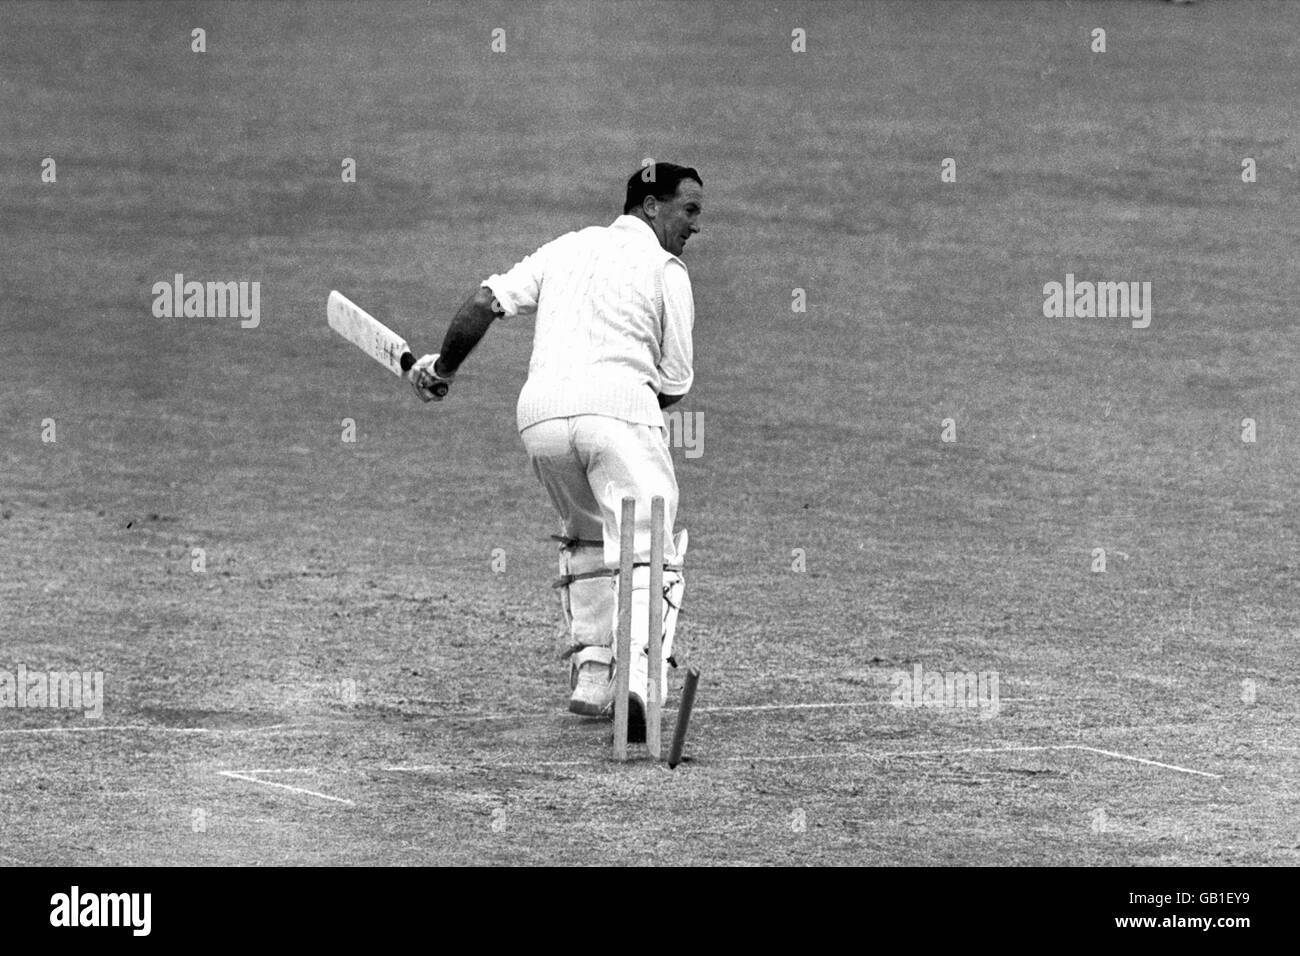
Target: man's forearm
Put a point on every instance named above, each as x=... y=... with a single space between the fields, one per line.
x=468 y=326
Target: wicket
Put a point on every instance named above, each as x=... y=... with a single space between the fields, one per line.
x=683 y=716
x=623 y=642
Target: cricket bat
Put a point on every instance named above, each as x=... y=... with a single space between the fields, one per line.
x=373 y=337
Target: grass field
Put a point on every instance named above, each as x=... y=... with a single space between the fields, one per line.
x=366 y=670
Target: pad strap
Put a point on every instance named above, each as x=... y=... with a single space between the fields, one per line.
x=570 y=542
x=564 y=580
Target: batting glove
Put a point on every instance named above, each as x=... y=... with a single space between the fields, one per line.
x=428 y=384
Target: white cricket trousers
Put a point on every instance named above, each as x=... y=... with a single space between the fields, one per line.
x=588 y=463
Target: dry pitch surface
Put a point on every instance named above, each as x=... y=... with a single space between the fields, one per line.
x=366 y=670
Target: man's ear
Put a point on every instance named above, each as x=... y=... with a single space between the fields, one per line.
x=650 y=206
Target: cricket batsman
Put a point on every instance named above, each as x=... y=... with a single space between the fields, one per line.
x=611 y=349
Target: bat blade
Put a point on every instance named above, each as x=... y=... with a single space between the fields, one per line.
x=369 y=334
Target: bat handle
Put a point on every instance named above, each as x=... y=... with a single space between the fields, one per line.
x=407 y=361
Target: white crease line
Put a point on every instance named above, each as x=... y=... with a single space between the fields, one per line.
x=793 y=757
x=522 y=715
x=668 y=711
x=738 y=708
x=144 y=727
x=727 y=708
x=716 y=709
x=782 y=758
x=968 y=750
x=445 y=768
x=284 y=786
x=1153 y=763
x=852 y=755
x=290 y=770
x=573 y=763
x=426 y=768
x=973 y=750
x=421 y=768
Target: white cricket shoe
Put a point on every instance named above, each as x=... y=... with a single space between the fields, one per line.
x=593 y=687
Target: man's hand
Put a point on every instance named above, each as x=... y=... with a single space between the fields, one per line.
x=467 y=327
x=428 y=384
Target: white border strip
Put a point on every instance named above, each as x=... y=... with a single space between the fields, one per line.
x=284 y=786
x=837 y=705
x=825 y=755
x=1152 y=763
x=756 y=758
x=143 y=727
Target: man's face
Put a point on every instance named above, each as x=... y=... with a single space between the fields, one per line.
x=676 y=220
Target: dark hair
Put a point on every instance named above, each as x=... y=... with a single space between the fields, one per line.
x=660 y=180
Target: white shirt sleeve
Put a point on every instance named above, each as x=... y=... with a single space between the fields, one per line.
x=518 y=289
x=676 y=352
